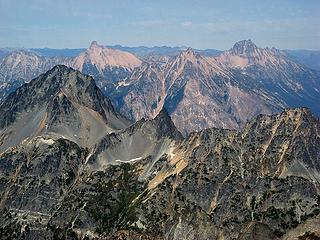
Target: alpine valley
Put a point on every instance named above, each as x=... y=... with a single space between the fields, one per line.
x=174 y=143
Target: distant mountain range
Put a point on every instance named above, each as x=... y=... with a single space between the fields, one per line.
x=223 y=91
x=200 y=89
x=141 y=51
x=72 y=167
x=310 y=58
x=51 y=52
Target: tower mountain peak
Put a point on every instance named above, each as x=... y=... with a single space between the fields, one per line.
x=94 y=44
x=244 y=47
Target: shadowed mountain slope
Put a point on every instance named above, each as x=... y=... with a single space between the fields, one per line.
x=61 y=102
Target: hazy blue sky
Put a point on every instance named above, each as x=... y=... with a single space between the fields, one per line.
x=196 y=23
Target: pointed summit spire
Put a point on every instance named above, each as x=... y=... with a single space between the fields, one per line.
x=163 y=114
x=244 y=47
x=189 y=54
x=165 y=125
x=189 y=51
x=94 y=44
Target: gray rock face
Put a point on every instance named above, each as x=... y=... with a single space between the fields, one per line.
x=35 y=177
x=61 y=102
x=148 y=182
x=258 y=231
x=146 y=139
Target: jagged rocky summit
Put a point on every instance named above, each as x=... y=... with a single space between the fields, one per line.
x=61 y=102
x=198 y=90
x=145 y=180
x=223 y=91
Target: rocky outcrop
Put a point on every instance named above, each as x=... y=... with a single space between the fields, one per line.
x=101 y=57
x=147 y=182
x=107 y=65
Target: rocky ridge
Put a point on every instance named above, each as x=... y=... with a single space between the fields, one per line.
x=61 y=102
x=223 y=91
x=148 y=182
x=199 y=91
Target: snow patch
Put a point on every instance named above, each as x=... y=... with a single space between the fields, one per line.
x=48 y=141
x=88 y=157
x=123 y=83
x=131 y=160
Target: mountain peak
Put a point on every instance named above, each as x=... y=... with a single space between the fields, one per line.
x=60 y=67
x=94 y=44
x=42 y=89
x=103 y=57
x=244 y=47
x=164 y=123
x=245 y=53
x=189 y=52
x=59 y=76
x=63 y=101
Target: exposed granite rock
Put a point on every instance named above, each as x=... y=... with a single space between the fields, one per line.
x=258 y=231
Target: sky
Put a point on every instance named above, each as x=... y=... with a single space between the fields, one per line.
x=284 y=24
